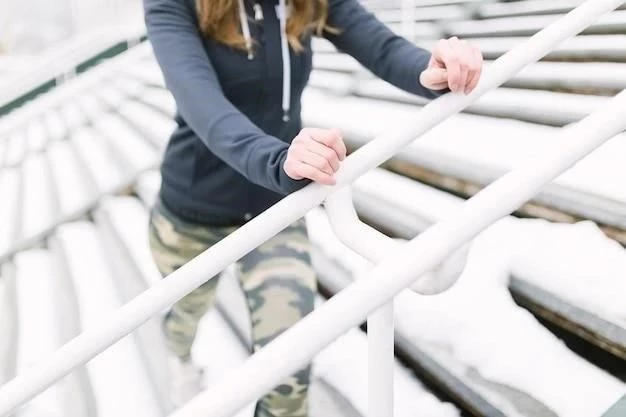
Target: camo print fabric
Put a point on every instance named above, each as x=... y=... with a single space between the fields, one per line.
x=277 y=279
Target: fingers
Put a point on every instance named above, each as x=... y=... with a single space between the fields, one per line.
x=315 y=154
x=476 y=69
x=462 y=62
x=460 y=57
x=434 y=78
x=446 y=55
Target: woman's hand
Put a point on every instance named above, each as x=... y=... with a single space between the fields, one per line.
x=454 y=64
x=315 y=154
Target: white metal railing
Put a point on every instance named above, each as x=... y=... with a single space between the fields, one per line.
x=299 y=344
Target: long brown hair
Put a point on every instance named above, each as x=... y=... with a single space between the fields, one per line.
x=219 y=20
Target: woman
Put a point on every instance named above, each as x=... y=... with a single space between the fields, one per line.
x=237 y=69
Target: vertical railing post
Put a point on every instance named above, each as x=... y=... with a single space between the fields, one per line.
x=380 y=336
x=268 y=366
x=373 y=246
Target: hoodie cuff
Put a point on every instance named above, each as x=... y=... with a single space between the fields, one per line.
x=287 y=184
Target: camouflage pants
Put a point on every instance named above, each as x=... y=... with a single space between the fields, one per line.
x=278 y=282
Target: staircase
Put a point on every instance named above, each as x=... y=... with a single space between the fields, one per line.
x=77 y=170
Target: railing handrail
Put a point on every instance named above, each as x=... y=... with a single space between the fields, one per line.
x=300 y=343
x=369 y=293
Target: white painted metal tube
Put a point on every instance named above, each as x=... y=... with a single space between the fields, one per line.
x=345 y=310
x=89 y=344
x=374 y=246
x=358 y=236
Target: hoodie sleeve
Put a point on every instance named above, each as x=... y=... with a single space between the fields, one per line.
x=189 y=75
x=377 y=48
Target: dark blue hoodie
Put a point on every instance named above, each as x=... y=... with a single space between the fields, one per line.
x=224 y=162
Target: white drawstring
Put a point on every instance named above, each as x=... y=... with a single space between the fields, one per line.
x=281 y=12
x=245 y=28
x=284 y=46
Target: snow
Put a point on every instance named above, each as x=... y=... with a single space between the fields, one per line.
x=527 y=25
x=16 y=149
x=160 y=98
x=131 y=87
x=147 y=72
x=219 y=359
x=343 y=364
x=9 y=184
x=147 y=187
x=111 y=96
x=7 y=327
x=121 y=385
x=130 y=218
x=38 y=206
x=500 y=341
x=424 y=14
x=55 y=126
x=336 y=62
x=527 y=7
x=154 y=124
x=494 y=145
x=99 y=158
x=573 y=75
x=39 y=333
x=577 y=262
x=70 y=181
x=73 y=116
x=36 y=136
x=129 y=142
x=608 y=47
x=547 y=107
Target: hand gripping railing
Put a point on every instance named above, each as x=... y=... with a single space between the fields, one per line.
x=300 y=343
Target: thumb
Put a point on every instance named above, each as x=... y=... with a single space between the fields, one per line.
x=434 y=78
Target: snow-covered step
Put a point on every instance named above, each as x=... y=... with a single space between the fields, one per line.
x=612 y=23
x=55 y=126
x=147 y=187
x=36 y=136
x=146 y=72
x=545 y=107
x=75 y=188
x=480 y=149
x=584 y=78
x=137 y=152
x=10 y=184
x=155 y=125
x=123 y=226
x=336 y=62
x=483 y=349
x=40 y=205
x=424 y=30
x=73 y=116
x=45 y=320
x=571 y=274
x=340 y=370
x=424 y=14
x=574 y=77
x=130 y=86
x=8 y=323
x=387 y=4
x=581 y=48
x=160 y=99
x=101 y=158
x=526 y=8
x=121 y=383
x=16 y=147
